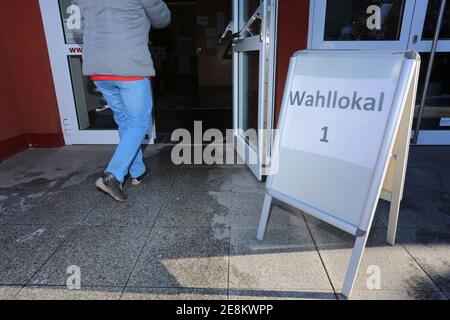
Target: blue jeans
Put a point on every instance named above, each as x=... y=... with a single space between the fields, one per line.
x=132 y=103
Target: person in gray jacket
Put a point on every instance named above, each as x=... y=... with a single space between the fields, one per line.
x=117 y=58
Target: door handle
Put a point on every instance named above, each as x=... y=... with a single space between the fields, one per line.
x=415 y=39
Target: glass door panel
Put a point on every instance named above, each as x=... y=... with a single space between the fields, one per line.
x=435 y=122
x=432 y=14
x=93 y=113
x=424 y=26
x=68 y=13
x=437 y=103
x=85 y=117
x=249 y=93
x=347 y=24
x=247 y=9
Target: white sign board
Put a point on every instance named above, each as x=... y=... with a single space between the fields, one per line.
x=343 y=113
x=355 y=110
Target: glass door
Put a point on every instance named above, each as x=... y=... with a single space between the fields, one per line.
x=85 y=116
x=435 y=121
x=361 y=24
x=254 y=24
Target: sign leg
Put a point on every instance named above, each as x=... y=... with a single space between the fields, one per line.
x=397 y=191
x=355 y=261
x=264 y=217
x=404 y=138
x=393 y=220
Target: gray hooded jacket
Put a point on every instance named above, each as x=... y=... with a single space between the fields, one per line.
x=116 y=35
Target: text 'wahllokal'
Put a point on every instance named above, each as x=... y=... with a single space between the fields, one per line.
x=334 y=100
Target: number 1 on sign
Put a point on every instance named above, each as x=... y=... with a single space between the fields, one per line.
x=325 y=135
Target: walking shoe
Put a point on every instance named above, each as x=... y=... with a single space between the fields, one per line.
x=138 y=181
x=113 y=187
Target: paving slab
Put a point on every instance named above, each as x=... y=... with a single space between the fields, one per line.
x=24 y=249
x=445 y=180
x=18 y=167
x=246 y=211
x=36 y=167
x=141 y=209
x=14 y=201
x=419 y=213
x=223 y=209
x=60 y=293
x=383 y=207
x=429 y=248
x=398 y=271
x=218 y=178
x=158 y=157
x=174 y=294
x=421 y=178
x=284 y=294
x=184 y=258
x=429 y=156
x=381 y=219
x=426 y=203
x=243 y=207
x=196 y=209
x=395 y=295
x=327 y=236
x=8 y=292
x=105 y=256
x=287 y=259
x=224 y=155
x=60 y=206
x=159 y=181
x=435 y=191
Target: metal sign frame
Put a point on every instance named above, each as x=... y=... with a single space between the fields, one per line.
x=389 y=174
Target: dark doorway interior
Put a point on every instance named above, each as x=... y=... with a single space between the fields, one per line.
x=194 y=70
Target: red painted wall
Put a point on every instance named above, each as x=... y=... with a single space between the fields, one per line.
x=10 y=125
x=28 y=103
x=293 y=20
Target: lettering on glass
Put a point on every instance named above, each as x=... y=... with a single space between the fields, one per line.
x=374 y=21
x=74 y=20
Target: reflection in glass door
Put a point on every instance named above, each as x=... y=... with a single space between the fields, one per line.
x=254 y=23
